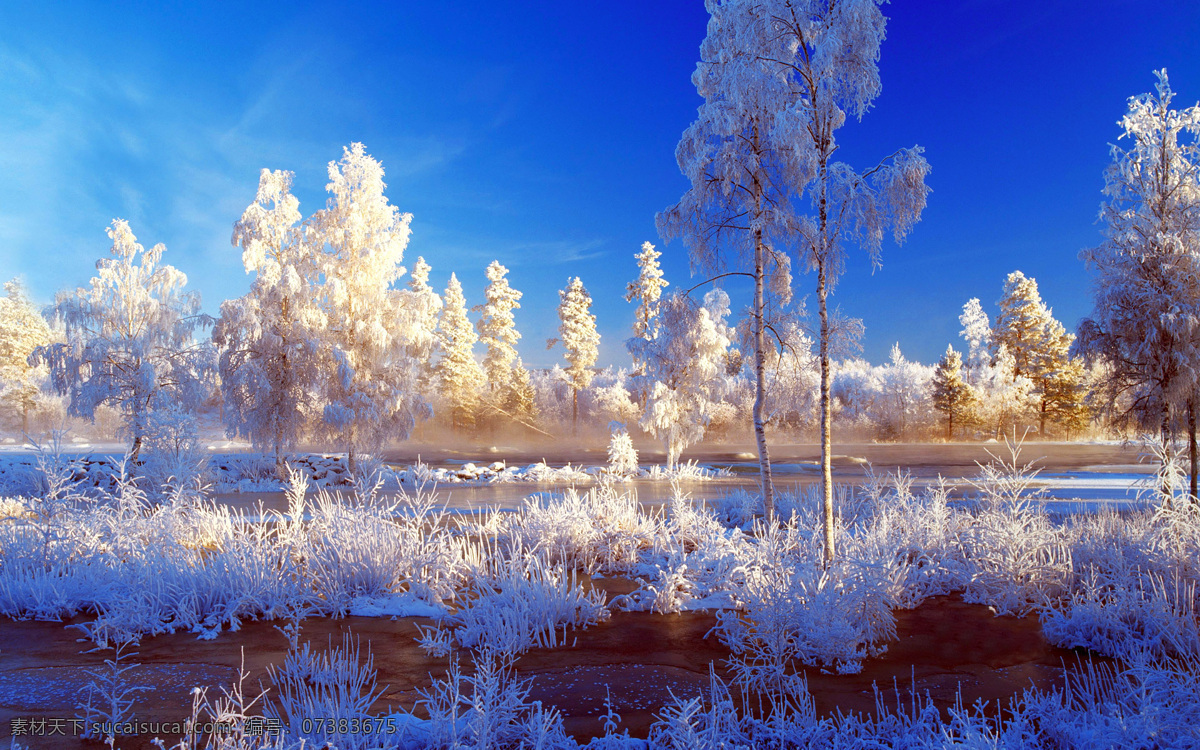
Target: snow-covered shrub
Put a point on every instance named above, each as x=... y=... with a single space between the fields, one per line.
x=324 y=697
x=522 y=604
x=1018 y=559
x=599 y=530
x=622 y=456
x=489 y=709
x=175 y=464
x=793 y=610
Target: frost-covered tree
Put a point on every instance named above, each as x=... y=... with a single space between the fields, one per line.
x=426 y=309
x=742 y=168
x=460 y=377
x=952 y=395
x=269 y=339
x=498 y=330
x=1022 y=323
x=1145 y=322
x=128 y=338
x=683 y=369
x=519 y=403
x=977 y=332
x=647 y=291
x=903 y=401
x=578 y=335
x=1005 y=398
x=22 y=330
x=370 y=377
x=827 y=53
x=1040 y=348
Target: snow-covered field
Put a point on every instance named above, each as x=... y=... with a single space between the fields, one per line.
x=497 y=584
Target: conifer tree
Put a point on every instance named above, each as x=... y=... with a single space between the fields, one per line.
x=952 y=396
x=578 y=335
x=460 y=376
x=647 y=291
x=427 y=307
x=977 y=331
x=497 y=329
x=1040 y=349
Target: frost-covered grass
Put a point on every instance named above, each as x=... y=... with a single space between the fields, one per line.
x=501 y=583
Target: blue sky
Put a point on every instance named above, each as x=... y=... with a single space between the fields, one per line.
x=543 y=135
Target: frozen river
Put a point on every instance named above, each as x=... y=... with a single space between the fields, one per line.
x=1074 y=477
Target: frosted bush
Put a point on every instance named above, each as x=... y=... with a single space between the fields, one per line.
x=525 y=605
x=489 y=709
x=599 y=530
x=175 y=464
x=1019 y=560
x=332 y=689
x=622 y=457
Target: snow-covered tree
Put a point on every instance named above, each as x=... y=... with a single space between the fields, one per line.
x=1147 y=294
x=683 y=368
x=498 y=330
x=622 y=456
x=830 y=51
x=370 y=376
x=269 y=339
x=128 y=338
x=1022 y=323
x=426 y=309
x=1040 y=348
x=952 y=395
x=520 y=401
x=903 y=402
x=22 y=330
x=647 y=291
x=1005 y=398
x=460 y=377
x=977 y=331
x=578 y=335
x=742 y=168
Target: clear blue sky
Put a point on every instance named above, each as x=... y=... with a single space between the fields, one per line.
x=543 y=135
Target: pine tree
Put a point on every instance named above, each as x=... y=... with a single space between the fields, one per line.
x=977 y=331
x=647 y=290
x=1040 y=348
x=427 y=307
x=952 y=395
x=497 y=329
x=577 y=331
x=460 y=376
x=1021 y=324
x=22 y=330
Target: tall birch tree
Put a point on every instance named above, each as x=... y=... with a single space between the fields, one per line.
x=129 y=340
x=824 y=53
x=740 y=172
x=269 y=338
x=1145 y=324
